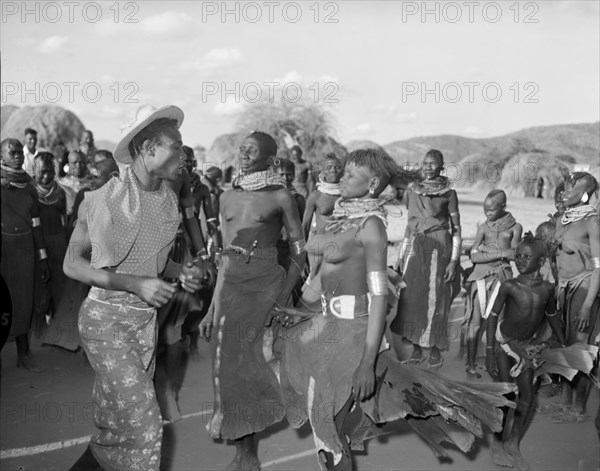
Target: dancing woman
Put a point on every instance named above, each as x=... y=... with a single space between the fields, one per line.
x=335 y=355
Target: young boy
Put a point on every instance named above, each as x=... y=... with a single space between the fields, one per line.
x=320 y=202
x=512 y=353
x=494 y=247
x=52 y=204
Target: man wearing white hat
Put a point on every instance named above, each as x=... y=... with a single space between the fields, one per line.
x=120 y=246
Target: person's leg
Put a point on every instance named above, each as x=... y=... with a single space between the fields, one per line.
x=473 y=335
x=246 y=454
x=24 y=359
x=524 y=404
x=499 y=455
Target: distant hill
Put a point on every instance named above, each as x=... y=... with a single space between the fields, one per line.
x=571 y=143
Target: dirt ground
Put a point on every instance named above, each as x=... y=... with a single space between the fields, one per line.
x=44 y=414
x=46 y=418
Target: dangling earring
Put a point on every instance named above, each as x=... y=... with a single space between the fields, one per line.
x=585 y=198
x=371 y=192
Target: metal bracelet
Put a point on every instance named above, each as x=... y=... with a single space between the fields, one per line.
x=42 y=254
x=297 y=246
x=377 y=282
x=595 y=262
x=189 y=212
x=35 y=222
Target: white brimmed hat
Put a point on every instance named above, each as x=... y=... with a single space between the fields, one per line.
x=144 y=115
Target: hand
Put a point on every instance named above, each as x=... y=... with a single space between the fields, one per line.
x=363 y=382
x=45 y=269
x=490 y=363
x=450 y=271
x=208 y=271
x=190 y=277
x=154 y=291
x=207 y=325
x=582 y=321
x=282 y=317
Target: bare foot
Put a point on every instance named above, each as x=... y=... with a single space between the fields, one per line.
x=472 y=373
x=515 y=452
x=500 y=456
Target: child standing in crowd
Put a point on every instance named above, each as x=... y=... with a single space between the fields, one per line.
x=493 y=249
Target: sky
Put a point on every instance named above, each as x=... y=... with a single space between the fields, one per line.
x=386 y=70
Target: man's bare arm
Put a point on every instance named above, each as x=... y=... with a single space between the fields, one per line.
x=76 y=265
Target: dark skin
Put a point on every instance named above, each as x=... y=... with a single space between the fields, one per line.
x=583 y=232
x=257 y=215
x=158 y=161
x=303 y=170
x=527 y=300
x=321 y=204
x=54 y=221
x=347 y=257
x=431 y=168
x=489 y=246
x=25 y=208
x=19 y=208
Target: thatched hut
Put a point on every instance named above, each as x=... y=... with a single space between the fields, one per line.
x=533 y=174
x=223 y=154
x=5 y=112
x=58 y=129
x=357 y=144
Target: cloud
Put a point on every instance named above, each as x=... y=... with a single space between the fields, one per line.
x=390 y=110
x=229 y=107
x=295 y=77
x=364 y=128
x=406 y=117
x=471 y=130
x=166 y=23
x=52 y=44
x=214 y=59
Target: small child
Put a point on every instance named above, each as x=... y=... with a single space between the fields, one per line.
x=319 y=207
x=512 y=353
x=494 y=247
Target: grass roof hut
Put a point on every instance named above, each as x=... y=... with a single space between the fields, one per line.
x=5 y=112
x=533 y=174
x=58 y=128
x=357 y=144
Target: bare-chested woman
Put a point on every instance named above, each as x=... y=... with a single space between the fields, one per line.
x=247 y=397
x=335 y=355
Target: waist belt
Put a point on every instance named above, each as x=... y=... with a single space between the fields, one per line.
x=346 y=306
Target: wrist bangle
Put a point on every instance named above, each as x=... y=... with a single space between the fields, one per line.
x=42 y=254
x=489 y=347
